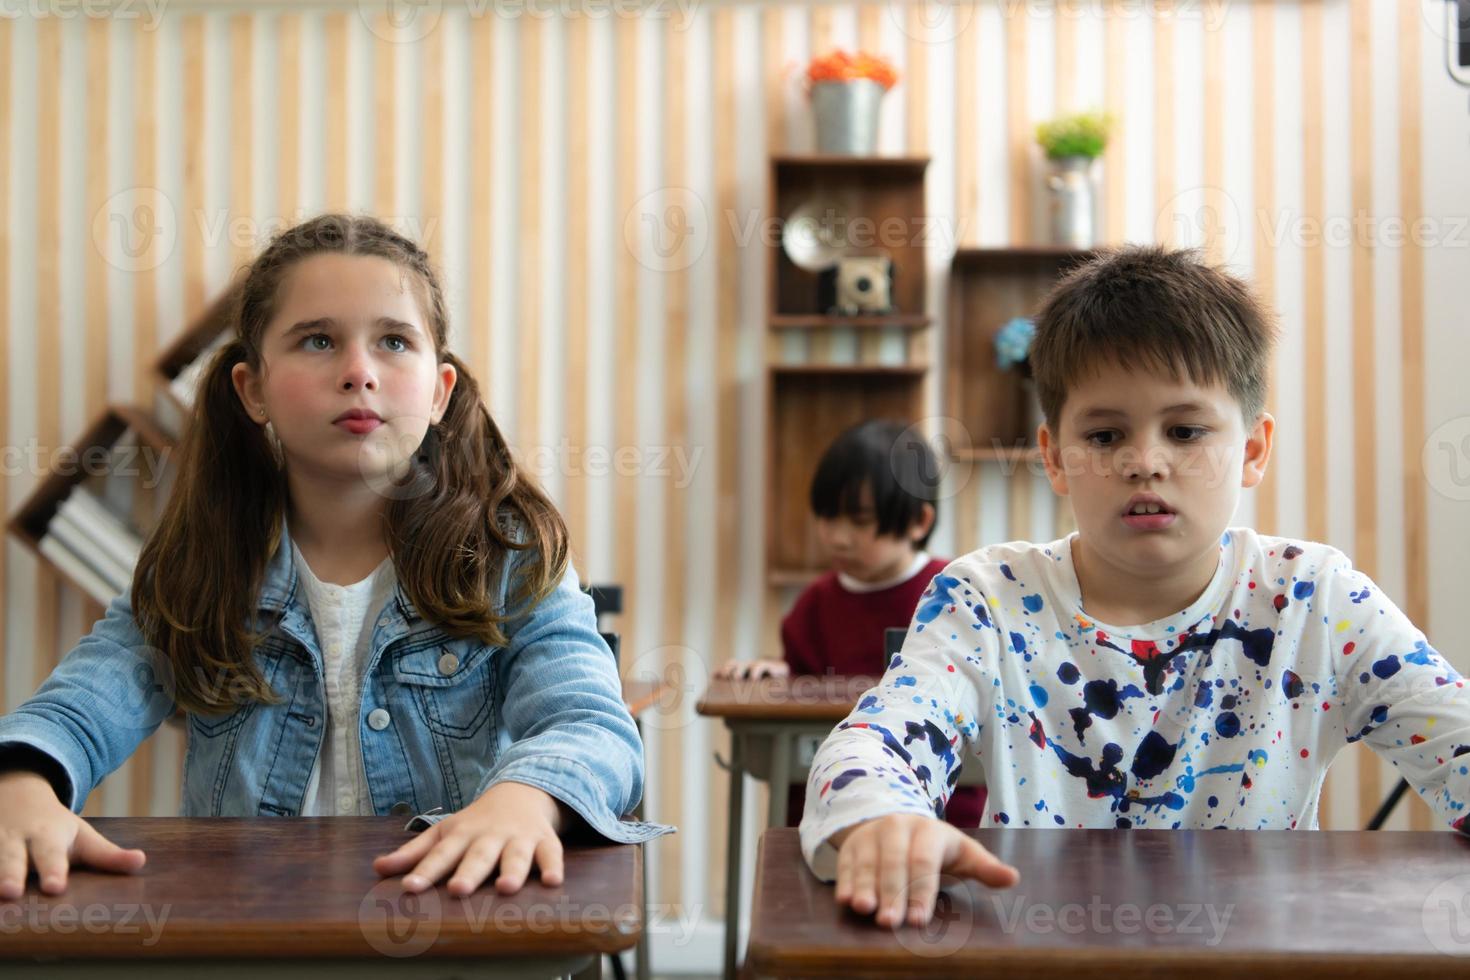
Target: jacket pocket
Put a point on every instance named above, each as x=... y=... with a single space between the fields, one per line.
x=452 y=685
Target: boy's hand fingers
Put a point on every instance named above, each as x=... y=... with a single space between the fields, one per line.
x=926 y=854
x=966 y=858
x=863 y=873
x=93 y=850
x=49 y=856
x=893 y=874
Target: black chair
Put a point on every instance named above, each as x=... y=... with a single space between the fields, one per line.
x=1389 y=802
x=893 y=638
x=607 y=600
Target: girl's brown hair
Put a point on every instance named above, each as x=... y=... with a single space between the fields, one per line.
x=453 y=521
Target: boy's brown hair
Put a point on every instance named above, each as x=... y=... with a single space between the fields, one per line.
x=1158 y=308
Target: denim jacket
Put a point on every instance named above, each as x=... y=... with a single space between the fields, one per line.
x=442 y=718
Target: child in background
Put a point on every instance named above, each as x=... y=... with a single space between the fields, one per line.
x=1153 y=669
x=875 y=495
x=362 y=603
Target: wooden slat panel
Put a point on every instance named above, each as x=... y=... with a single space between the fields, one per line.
x=916 y=110
x=575 y=497
x=870 y=38
x=48 y=312
x=431 y=142
x=482 y=177
x=140 y=767
x=98 y=61
x=288 y=115
x=625 y=345
x=967 y=125
x=385 y=100
x=1214 y=142
x=1164 y=82
x=242 y=70
x=528 y=292
x=1411 y=343
x=191 y=236
x=676 y=346
x=335 y=26
x=1263 y=184
x=1018 y=126
x=1064 y=68
x=1314 y=325
x=1365 y=435
x=1115 y=193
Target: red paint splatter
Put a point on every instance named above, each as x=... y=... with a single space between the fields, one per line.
x=1305 y=753
x=1349 y=648
x=951 y=668
x=1326 y=706
x=1253 y=585
x=1416 y=739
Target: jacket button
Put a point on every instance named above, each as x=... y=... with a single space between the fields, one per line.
x=400 y=809
x=378 y=719
x=448 y=664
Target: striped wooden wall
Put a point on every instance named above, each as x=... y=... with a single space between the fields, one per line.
x=532 y=155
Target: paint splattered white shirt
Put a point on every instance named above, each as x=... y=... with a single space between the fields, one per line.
x=1224 y=715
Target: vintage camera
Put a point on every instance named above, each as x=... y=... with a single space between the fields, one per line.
x=857 y=285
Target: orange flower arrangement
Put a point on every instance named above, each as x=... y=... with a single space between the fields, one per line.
x=839 y=66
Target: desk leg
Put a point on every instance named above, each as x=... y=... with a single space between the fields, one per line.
x=641 y=968
x=780 y=781
x=732 y=856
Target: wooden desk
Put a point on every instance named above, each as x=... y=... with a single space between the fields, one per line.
x=298 y=897
x=775 y=728
x=1145 y=903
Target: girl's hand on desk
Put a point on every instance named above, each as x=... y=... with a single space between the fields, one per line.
x=890 y=867
x=511 y=824
x=744 y=670
x=35 y=828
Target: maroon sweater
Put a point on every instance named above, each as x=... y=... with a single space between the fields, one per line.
x=833 y=631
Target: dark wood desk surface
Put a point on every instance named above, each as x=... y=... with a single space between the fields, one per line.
x=1138 y=903
x=824 y=699
x=305 y=887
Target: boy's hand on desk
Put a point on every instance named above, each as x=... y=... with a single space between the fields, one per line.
x=891 y=862
x=511 y=824
x=744 y=670
x=36 y=828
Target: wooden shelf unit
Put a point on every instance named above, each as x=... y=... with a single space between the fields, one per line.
x=988 y=287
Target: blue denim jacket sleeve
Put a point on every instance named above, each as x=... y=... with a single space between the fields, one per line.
x=108 y=694
x=570 y=733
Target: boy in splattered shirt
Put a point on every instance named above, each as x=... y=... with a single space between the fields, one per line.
x=1153 y=669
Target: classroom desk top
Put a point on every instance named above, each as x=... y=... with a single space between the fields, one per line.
x=824 y=699
x=1145 y=903
x=303 y=888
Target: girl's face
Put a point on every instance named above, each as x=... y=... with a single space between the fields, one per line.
x=351 y=381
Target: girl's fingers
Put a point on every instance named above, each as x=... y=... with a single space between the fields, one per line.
x=12 y=867
x=475 y=866
x=408 y=855
x=93 y=850
x=436 y=864
x=515 y=864
x=549 y=860
x=49 y=857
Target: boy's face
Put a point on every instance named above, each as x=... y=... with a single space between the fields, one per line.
x=854 y=547
x=1154 y=466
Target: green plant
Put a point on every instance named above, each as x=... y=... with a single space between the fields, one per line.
x=1079 y=134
